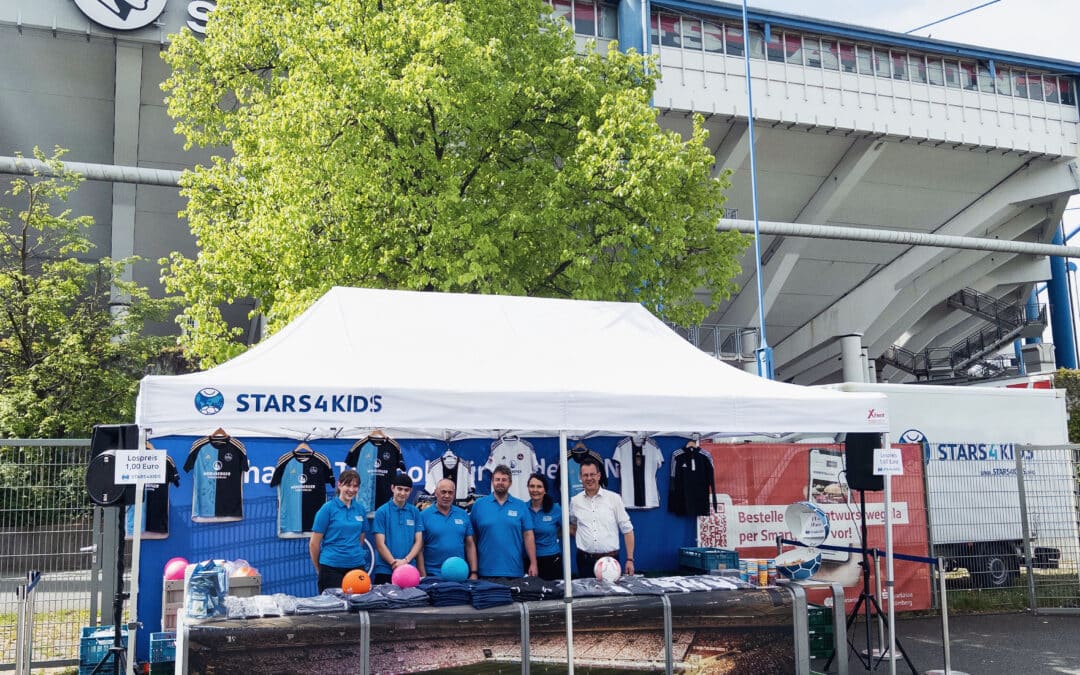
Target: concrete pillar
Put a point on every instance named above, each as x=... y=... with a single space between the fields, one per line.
x=851 y=358
x=126 y=109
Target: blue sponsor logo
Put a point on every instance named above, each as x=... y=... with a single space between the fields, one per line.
x=209 y=401
x=916 y=436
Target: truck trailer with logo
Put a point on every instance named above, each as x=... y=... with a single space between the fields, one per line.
x=970 y=437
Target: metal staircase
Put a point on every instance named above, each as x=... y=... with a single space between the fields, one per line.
x=972 y=355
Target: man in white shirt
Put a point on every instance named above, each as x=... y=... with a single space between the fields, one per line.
x=597 y=516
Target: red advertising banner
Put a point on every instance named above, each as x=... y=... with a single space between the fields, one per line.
x=756 y=482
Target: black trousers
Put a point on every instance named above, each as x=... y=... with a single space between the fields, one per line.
x=549 y=567
x=331 y=577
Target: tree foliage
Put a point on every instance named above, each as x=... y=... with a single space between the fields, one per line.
x=1069 y=380
x=447 y=145
x=66 y=361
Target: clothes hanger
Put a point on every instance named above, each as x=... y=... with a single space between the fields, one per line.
x=377 y=433
x=303 y=449
x=219 y=434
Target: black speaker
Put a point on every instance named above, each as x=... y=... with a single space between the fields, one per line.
x=113 y=437
x=101 y=482
x=859 y=456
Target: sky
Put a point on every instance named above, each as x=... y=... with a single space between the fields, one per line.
x=1048 y=28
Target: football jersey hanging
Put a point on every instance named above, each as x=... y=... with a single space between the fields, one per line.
x=577 y=456
x=218 y=463
x=693 y=483
x=638 y=460
x=301 y=477
x=155 y=505
x=517 y=454
x=456 y=469
x=377 y=458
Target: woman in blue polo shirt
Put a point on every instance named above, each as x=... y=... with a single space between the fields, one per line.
x=547 y=518
x=337 y=539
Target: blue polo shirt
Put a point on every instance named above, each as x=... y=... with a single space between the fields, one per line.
x=341 y=527
x=500 y=532
x=444 y=536
x=546 y=530
x=399 y=525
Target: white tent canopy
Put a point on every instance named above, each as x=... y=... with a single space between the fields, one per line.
x=360 y=359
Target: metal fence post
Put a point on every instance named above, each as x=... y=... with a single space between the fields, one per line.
x=1028 y=552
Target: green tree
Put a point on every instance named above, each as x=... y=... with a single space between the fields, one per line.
x=66 y=361
x=1069 y=380
x=448 y=145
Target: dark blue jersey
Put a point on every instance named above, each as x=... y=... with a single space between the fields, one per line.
x=155 y=506
x=301 y=477
x=377 y=459
x=219 y=462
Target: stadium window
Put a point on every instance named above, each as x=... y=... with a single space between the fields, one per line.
x=733 y=38
x=967 y=75
x=986 y=85
x=669 y=30
x=691 y=33
x=1004 y=81
x=847 y=57
x=757 y=44
x=562 y=8
x=585 y=17
x=881 y=63
x=812 y=49
x=774 y=47
x=714 y=37
x=917 y=68
x=829 y=58
x=1051 y=89
x=793 y=49
x=952 y=74
x=865 y=59
x=935 y=72
x=899 y=65
x=1068 y=91
x=609 y=21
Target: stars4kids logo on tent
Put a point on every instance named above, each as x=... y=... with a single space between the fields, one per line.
x=209 y=401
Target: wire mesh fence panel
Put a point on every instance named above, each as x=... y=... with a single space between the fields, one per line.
x=1050 y=504
x=46 y=523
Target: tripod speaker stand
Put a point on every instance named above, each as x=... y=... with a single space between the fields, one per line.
x=103 y=491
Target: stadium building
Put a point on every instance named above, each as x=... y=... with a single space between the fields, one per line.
x=910 y=190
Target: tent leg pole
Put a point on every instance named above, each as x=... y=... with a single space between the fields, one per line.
x=568 y=591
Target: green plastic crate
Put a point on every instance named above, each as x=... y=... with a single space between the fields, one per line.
x=707 y=558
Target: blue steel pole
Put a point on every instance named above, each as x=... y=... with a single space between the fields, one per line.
x=764 y=351
x=1060 y=309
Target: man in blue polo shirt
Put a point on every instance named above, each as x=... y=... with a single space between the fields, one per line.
x=398 y=531
x=503 y=529
x=448 y=532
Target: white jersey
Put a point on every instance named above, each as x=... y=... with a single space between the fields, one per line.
x=638 y=464
x=520 y=457
x=453 y=467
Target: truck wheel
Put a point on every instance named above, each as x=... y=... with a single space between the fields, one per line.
x=994 y=566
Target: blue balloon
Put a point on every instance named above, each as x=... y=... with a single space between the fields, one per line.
x=454 y=569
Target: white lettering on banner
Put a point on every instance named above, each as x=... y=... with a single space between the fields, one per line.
x=199 y=11
x=760 y=525
x=139 y=466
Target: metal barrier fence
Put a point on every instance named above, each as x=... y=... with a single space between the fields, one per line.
x=1010 y=533
x=47 y=524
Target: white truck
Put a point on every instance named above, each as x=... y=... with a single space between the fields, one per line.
x=970 y=436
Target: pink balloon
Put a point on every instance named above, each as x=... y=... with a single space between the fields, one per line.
x=175 y=568
x=405 y=576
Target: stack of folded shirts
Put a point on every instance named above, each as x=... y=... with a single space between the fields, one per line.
x=368 y=601
x=445 y=593
x=489 y=594
x=401 y=597
x=286 y=602
x=527 y=589
x=320 y=604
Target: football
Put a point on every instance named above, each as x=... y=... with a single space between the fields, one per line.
x=607 y=569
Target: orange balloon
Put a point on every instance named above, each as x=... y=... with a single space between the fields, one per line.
x=356 y=581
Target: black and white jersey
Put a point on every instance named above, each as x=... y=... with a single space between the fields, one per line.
x=693 y=483
x=638 y=464
x=519 y=455
x=301 y=477
x=377 y=459
x=219 y=462
x=456 y=469
x=577 y=457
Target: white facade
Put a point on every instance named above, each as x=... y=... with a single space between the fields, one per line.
x=853 y=127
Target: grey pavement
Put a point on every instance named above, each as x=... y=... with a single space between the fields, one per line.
x=985 y=644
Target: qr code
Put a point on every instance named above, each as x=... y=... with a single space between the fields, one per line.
x=712 y=530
